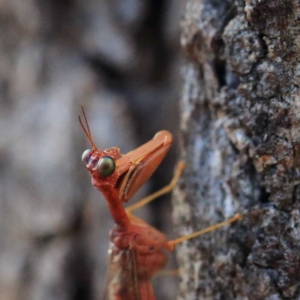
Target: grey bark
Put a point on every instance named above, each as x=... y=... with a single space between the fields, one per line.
x=240 y=138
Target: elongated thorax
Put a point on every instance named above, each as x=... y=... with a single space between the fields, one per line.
x=135 y=256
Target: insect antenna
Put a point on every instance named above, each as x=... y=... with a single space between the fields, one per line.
x=86 y=128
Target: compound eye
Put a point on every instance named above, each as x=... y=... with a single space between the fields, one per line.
x=106 y=166
x=86 y=155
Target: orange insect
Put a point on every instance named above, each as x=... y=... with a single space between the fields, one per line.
x=137 y=250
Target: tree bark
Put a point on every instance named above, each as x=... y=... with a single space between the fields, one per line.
x=240 y=138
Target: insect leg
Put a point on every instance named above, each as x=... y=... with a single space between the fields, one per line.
x=172 y=243
x=168 y=188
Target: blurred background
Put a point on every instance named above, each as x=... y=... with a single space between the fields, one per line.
x=120 y=59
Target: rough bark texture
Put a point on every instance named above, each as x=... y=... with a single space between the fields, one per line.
x=241 y=138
